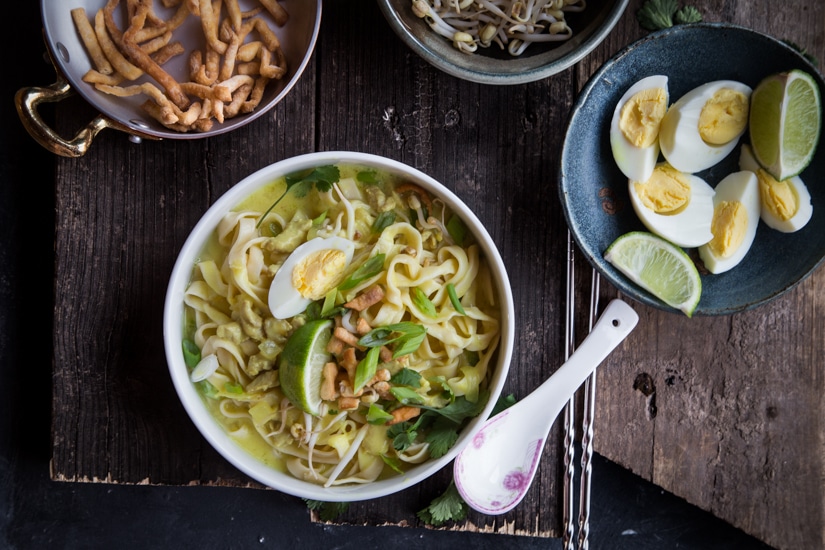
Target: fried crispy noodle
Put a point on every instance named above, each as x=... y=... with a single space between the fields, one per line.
x=228 y=309
x=129 y=40
x=511 y=24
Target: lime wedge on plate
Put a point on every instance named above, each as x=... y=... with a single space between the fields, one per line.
x=785 y=115
x=302 y=365
x=658 y=266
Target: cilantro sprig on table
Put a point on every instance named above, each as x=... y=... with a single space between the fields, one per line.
x=656 y=15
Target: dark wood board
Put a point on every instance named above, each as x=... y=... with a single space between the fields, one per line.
x=737 y=428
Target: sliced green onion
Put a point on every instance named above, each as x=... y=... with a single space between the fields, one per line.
x=377 y=415
x=329 y=302
x=366 y=369
x=383 y=221
x=191 y=353
x=407 y=396
x=370 y=268
x=454 y=298
x=423 y=303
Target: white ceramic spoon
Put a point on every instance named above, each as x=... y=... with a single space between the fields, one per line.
x=494 y=471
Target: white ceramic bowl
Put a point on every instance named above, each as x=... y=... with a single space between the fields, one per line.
x=191 y=399
x=494 y=66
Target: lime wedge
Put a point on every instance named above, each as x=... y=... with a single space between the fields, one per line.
x=302 y=365
x=785 y=117
x=658 y=266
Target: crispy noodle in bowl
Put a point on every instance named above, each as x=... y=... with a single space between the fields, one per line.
x=418 y=314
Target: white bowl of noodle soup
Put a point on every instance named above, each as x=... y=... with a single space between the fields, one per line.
x=462 y=358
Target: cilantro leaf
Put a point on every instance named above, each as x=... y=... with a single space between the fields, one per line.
x=321 y=177
x=449 y=506
x=406 y=377
x=442 y=436
x=327 y=511
x=688 y=14
x=406 y=336
x=655 y=15
x=403 y=435
x=462 y=408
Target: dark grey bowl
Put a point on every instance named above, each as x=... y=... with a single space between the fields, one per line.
x=594 y=192
x=491 y=66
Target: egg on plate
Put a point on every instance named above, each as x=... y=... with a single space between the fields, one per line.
x=674 y=205
x=735 y=219
x=634 y=128
x=785 y=205
x=703 y=126
x=308 y=274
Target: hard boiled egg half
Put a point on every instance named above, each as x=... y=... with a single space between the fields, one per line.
x=703 y=126
x=634 y=128
x=308 y=274
x=674 y=205
x=735 y=219
x=785 y=205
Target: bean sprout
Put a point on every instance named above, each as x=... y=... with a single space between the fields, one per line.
x=511 y=24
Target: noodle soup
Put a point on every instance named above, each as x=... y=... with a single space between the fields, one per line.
x=342 y=325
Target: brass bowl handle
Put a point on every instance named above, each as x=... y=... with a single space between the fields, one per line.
x=27 y=101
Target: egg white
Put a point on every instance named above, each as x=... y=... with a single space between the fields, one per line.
x=679 y=138
x=284 y=300
x=690 y=227
x=740 y=187
x=803 y=213
x=636 y=163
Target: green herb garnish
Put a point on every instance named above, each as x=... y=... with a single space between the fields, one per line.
x=321 y=177
x=454 y=299
x=377 y=415
x=383 y=221
x=406 y=377
x=423 y=303
x=327 y=511
x=367 y=176
x=191 y=353
x=656 y=15
x=366 y=368
x=370 y=268
x=406 y=336
x=449 y=506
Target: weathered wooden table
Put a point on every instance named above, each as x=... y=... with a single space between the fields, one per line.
x=730 y=414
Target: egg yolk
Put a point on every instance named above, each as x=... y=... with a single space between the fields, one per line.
x=778 y=197
x=724 y=117
x=318 y=273
x=730 y=220
x=641 y=116
x=666 y=192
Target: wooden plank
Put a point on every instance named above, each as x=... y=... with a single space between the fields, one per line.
x=724 y=412
x=123 y=212
x=727 y=412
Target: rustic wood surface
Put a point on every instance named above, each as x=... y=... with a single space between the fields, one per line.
x=725 y=412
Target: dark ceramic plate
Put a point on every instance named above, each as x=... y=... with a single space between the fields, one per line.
x=594 y=192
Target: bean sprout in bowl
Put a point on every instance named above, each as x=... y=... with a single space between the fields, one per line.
x=544 y=38
x=338 y=326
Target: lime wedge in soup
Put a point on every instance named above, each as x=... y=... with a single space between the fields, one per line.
x=302 y=365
